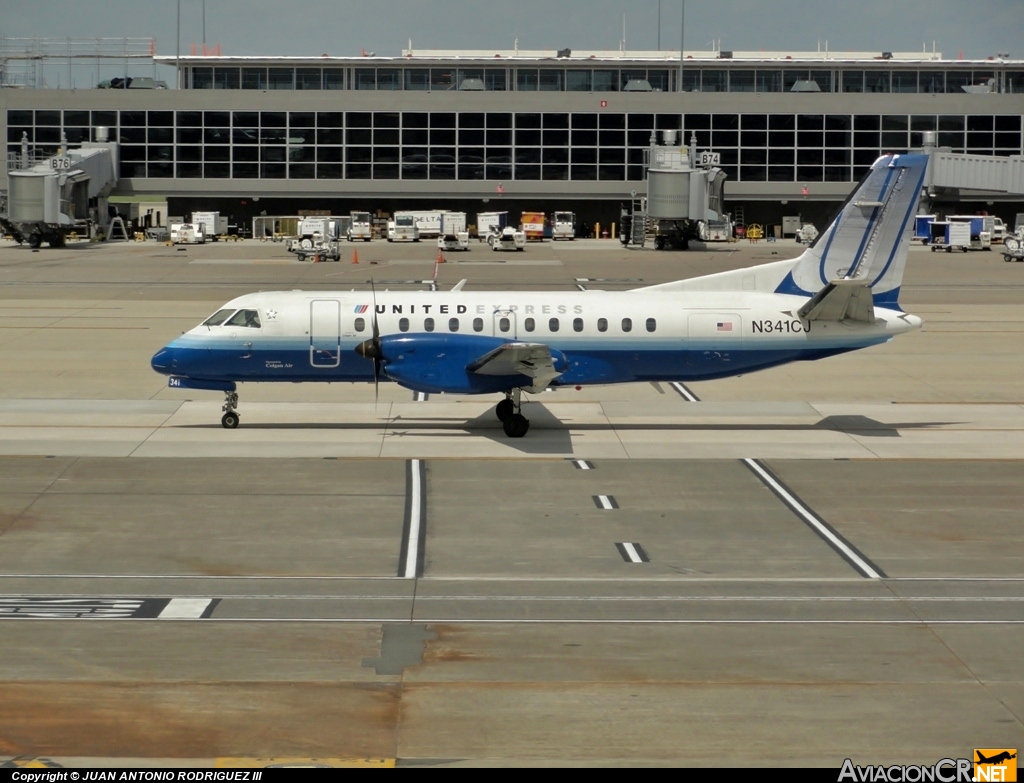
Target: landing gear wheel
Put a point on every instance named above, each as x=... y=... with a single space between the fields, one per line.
x=516 y=425
x=229 y=420
x=504 y=410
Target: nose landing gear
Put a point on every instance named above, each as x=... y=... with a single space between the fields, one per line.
x=229 y=420
x=509 y=412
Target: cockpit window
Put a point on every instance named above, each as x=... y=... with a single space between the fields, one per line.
x=247 y=318
x=218 y=317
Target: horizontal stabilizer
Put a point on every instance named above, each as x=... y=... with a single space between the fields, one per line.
x=841 y=300
x=530 y=359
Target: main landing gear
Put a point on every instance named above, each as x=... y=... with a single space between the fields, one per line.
x=508 y=411
x=229 y=420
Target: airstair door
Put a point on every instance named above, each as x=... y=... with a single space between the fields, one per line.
x=325 y=333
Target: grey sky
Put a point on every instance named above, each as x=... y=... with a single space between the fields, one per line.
x=314 y=27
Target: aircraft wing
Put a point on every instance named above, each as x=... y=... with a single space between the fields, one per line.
x=841 y=300
x=530 y=359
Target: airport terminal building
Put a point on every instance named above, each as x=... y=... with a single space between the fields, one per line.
x=523 y=130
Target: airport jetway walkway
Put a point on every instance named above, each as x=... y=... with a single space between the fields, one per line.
x=49 y=198
x=975 y=172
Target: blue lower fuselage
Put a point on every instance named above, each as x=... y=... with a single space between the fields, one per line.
x=585 y=362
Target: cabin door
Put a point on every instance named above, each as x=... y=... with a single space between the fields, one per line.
x=325 y=333
x=714 y=341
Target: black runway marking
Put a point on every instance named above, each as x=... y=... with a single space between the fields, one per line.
x=57 y=607
x=605 y=502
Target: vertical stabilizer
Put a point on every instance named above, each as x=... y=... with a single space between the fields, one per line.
x=868 y=240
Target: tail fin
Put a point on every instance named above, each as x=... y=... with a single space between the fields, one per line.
x=869 y=238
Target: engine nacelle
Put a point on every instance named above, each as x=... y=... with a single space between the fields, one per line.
x=437 y=363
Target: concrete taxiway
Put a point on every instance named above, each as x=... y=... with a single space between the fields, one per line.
x=816 y=562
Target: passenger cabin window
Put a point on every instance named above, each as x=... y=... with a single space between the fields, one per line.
x=504 y=324
x=360 y=324
x=529 y=324
x=652 y=324
x=453 y=324
x=218 y=317
x=403 y=324
x=478 y=324
x=602 y=324
x=553 y=325
x=246 y=318
x=428 y=324
x=627 y=324
x=577 y=324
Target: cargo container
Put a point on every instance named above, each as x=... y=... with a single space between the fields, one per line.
x=950 y=235
x=488 y=222
x=981 y=229
x=212 y=223
x=923 y=227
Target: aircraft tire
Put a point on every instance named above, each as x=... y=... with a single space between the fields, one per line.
x=516 y=425
x=504 y=409
x=229 y=420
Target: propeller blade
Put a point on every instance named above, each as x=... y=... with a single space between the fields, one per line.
x=376 y=346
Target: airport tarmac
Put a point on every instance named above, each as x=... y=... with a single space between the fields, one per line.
x=817 y=562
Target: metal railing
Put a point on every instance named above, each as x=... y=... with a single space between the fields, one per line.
x=17 y=162
x=23 y=61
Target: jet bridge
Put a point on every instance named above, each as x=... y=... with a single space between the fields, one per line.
x=684 y=190
x=975 y=172
x=50 y=198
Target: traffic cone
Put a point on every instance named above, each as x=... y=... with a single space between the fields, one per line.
x=440 y=258
x=355 y=256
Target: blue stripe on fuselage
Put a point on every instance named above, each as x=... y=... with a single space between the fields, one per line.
x=587 y=365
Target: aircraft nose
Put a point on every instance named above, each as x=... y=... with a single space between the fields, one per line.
x=163 y=361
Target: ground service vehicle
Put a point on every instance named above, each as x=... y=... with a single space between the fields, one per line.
x=563 y=225
x=716 y=230
x=402 y=228
x=533 y=226
x=361 y=227
x=187 y=234
x=806 y=234
x=507 y=238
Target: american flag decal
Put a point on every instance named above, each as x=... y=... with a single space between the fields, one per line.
x=724 y=326
x=362 y=308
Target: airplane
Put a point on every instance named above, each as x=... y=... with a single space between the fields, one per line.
x=996 y=759
x=840 y=295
